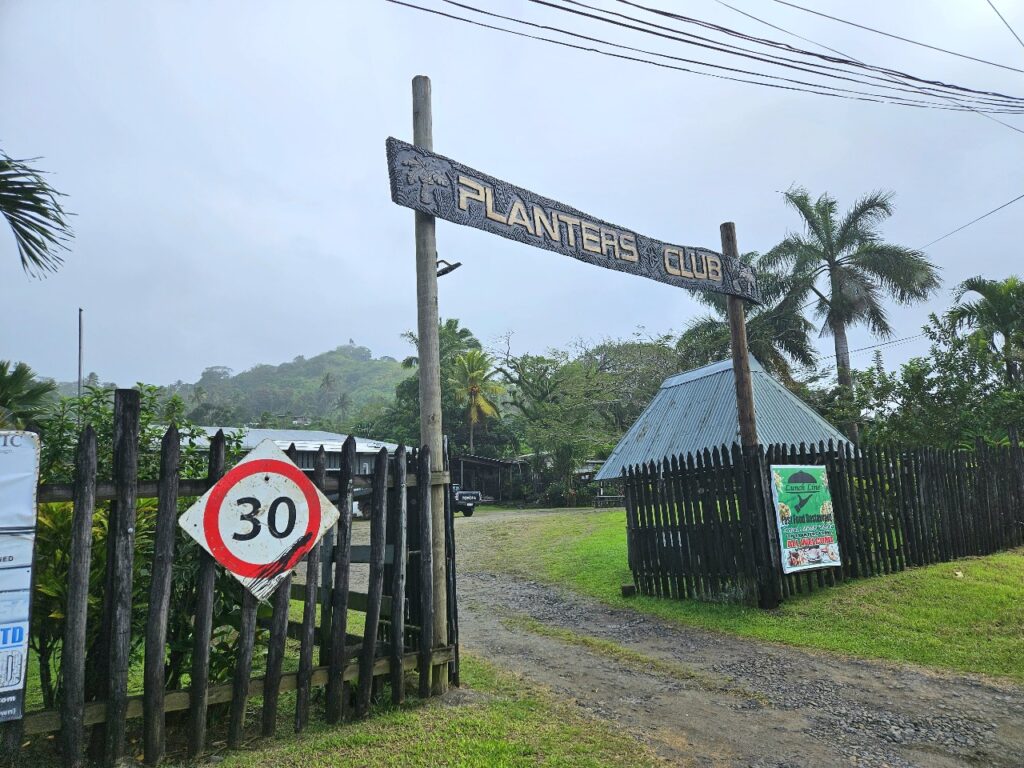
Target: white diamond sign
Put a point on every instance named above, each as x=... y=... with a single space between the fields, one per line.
x=260 y=519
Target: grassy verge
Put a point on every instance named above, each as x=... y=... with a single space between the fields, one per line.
x=496 y=720
x=967 y=615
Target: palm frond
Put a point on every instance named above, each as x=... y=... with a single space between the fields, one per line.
x=33 y=211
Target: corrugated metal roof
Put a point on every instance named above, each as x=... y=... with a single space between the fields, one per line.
x=304 y=439
x=697 y=410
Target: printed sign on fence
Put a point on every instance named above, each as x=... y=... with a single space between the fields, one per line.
x=19 y=476
x=803 y=511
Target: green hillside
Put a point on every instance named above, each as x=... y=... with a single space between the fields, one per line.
x=326 y=390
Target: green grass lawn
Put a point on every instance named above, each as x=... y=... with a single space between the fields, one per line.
x=967 y=615
x=496 y=721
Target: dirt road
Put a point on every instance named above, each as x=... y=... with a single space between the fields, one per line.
x=705 y=699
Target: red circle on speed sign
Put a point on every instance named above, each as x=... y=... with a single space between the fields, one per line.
x=211 y=516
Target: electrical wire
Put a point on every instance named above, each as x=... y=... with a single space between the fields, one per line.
x=798 y=51
x=897 y=37
x=872 y=98
x=815 y=88
x=984 y=114
x=891 y=343
x=1012 y=32
x=983 y=99
x=973 y=221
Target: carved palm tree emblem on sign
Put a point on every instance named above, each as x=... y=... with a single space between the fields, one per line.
x=429 y=173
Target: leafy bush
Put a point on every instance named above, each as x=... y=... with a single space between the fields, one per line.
x=59 y=433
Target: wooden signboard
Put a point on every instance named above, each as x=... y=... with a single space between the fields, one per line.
x=444 y=188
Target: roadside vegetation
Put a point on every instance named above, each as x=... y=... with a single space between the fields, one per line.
x=495 y=720
x=967 y=615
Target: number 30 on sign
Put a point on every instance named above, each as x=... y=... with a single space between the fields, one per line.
x=260 y=519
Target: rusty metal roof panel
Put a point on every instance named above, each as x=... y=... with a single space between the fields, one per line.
x=697 y=410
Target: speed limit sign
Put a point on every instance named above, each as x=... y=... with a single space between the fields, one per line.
x=260 y=519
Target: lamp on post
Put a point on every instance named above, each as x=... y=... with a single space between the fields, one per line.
x=448 y=267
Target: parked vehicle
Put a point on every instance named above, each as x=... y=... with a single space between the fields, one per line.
x=464 y=501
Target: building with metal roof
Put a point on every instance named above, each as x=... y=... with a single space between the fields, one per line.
x=697 y=410
x=307 y=442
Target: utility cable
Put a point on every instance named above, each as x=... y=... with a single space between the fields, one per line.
x=973 y=221
x=815 y=88
x=897 y=37
x=1012 y=32
x=799 y=51
x=983 y=113
x=874 y=98
x=982 y=98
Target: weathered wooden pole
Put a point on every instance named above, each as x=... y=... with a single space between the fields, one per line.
x=740 y=354
x=430 y=367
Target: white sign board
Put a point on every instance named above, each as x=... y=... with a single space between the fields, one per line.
x=260 y=519
x=19 y=476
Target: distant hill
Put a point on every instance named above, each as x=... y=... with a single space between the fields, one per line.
x=328 y=389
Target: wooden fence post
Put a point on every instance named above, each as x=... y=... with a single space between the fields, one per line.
x=426 y=571
x=375 y=585
x=309 y=607
x=160 y=599
x=202 y=628
x=127 y=405
x=398 y=562
x=336 y=686
x=80 y=555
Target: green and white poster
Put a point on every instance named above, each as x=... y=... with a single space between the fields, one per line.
x=803 y=511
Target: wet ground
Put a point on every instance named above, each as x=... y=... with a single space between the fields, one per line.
x=707 y=699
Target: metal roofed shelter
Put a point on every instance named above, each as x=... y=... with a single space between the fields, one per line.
x=307 y=443
x=697 y=410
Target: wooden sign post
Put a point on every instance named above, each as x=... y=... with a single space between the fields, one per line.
x=437 y=186
x=430 y=369
x=738 y=345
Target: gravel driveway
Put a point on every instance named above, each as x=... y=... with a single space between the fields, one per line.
x=713 y=699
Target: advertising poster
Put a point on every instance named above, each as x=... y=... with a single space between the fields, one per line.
x=19 y=475
x=803 y=512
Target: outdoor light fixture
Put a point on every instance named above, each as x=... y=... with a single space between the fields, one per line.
x=448 y=267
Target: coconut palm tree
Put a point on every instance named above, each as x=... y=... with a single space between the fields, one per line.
x=997 y=318
x=778 y=334
x=23 y=397
x=34 y=213
x=453 y=340
x=472 y=377
x=846 y=270
x=343 y=404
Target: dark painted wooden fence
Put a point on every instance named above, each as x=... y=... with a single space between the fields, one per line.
x=704 y=526
x=397 y=603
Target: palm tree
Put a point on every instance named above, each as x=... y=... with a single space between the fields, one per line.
x=453 y=340
x=846 y=270
x=344 y=404
x=30 y=205
x=472 y=377
x=998 y=319
x=777 y=333
x=23 y=397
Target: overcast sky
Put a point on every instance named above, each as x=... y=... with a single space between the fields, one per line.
x=225 y=162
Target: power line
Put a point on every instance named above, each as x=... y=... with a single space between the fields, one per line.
x=897 y=37
x=833 y=50
x=973 y=221
x=844 y=60
x=891 y=343
x=814 y=88
x=1012 y=32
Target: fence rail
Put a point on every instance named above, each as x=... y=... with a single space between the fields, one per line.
x=95 y=674
x=703 y=526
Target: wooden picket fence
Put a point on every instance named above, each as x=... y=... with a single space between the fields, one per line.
x=703 y=526
x=398 y=602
